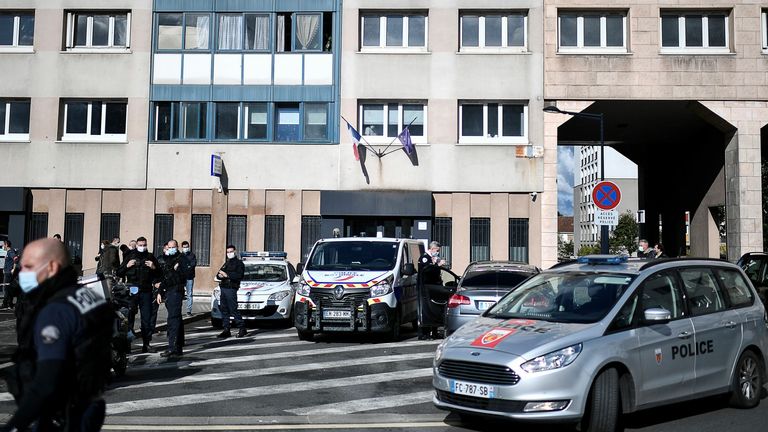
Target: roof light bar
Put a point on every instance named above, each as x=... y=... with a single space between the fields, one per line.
x=602 y=259
x=254 y=254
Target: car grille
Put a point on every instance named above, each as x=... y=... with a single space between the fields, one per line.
x=499 y=405
x=478 y=372
x=328 y=300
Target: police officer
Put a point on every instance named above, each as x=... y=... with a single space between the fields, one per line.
x=140 y=269
x=62 y=363
x=432 y=293
x=230 y=274
x=171 y=291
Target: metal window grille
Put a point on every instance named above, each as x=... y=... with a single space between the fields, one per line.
x=518 y=240
x=163 y=232
x=480 y=239
x=110 y=226
x=441 y=233
x=237 y=227
x=274 y=233
x=310 y=233
x=201 y=238
x=73 y=235
x=38 y=226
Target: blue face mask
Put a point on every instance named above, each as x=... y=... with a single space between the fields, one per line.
x=28 y=279
x=171 y=251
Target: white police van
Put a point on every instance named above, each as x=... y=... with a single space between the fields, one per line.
x=358 y=285
x=266 y=290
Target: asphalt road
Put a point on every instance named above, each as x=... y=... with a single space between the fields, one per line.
x=270 y=380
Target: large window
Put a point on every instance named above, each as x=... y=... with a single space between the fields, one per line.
x=387 y=119
x=274 y=233
x=493 y=122
x=693 y=31
x=238 y=31
x=181 y=121
x=163 y=232
x=74 y=224
x=599 y=31
x=201 y=238
x=394 y=31
x=92 y=29
x=110 y=226
x=237 y=228
x=17 y=30
x=38 y=226
x=479 y=239
x=227 y=121
x=88 y=120
x=518 y=240
x=14 y=120
x=493 y=30
x=183 y=31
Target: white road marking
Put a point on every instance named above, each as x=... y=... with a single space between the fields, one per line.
x=6 y=397
x=304 y=367
x=242 y=393
x=287 y=427
x=360 y=405
x=244 y=347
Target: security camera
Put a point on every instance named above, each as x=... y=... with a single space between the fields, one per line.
x=533 y=196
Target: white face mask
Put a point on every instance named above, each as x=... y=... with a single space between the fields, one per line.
x=230 y=255
x=141 y=248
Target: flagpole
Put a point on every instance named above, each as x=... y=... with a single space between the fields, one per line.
x=366 y=144
x=384 y=152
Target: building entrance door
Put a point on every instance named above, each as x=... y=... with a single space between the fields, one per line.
x=378 y=227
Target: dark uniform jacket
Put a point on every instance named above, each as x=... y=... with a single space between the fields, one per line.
x=62 y=362
x=189 y=271
x=139 y=275
x=173 y=276
x=433 y=295
x=235 y=269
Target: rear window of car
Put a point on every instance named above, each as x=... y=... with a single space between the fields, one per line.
x=493 y=280
x=736 y=287
x=265 y=273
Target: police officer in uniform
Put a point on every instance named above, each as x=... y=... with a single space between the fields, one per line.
x=62 y=363
x=171 y=291
x=230 y=275
x=140 y=269
x=432 y=294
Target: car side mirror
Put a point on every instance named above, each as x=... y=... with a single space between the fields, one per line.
x=299 y=268
x=657 y=316
x=409 y=269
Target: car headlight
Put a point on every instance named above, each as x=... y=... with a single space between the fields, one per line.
x=279 y=295
x=217 y=293
x=553 y=360
x=303 y=289
x=439 y=354
x=381 y=289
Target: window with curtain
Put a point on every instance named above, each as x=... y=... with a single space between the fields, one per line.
x=197 y=31
x=256 y=32
x=230 y=36
x=308 y=34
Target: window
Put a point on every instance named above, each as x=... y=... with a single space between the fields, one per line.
x=303 y=31
x=98 y=29
x=256 y=32
x=441 y=233
x=388 y=119
x=73 y=236
x=237 y=228
x=227 y=121
x=14 y=120
x=256 y=121
x=518 y=240
x=274 y=233
x=315 y=121
x=17 y=30
x=493 y=122
x=702 y=293
x=187 y=31
x=163 y=232
x=110 y=226
x=180 y=121
x=287 y=127
x=85 y=120
x=764 y=16
x=201 y=238
x=599 y=31
x=479 y=239
x=694 y=31
x=310 y=233
x=737 y=289
x=394 y=31
x=498 y=30
x=38 y=226
x=661 y=291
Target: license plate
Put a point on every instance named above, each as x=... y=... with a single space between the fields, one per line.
x=483 y=305
x=250 y=306
x=337 y=314
x=471 y=389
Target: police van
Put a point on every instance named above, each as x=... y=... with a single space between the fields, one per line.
x=358 y=285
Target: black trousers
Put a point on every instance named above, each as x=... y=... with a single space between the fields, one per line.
x=8 y=293
x=228 y=304
x=173 y=300
x=147 y=304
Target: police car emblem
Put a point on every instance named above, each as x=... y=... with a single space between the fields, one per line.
x=50 y=334
x=659 y=356
x=338 y=292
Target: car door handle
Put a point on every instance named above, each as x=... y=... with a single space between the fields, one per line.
x=684 y=335
x=730 y=324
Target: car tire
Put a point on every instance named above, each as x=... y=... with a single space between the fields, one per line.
x=747 y=381
x=602 y=413
x=305 y=335
x=216 y=323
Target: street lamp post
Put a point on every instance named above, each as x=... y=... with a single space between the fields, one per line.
x=598 y=117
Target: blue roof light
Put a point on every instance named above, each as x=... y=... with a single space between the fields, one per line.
x=602 y=259
x=266 y=255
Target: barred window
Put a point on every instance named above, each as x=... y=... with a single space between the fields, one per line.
x=110 y=226
x=518 y=240
x=38 y=226
x=310 y=233
x=441 y=233
x=163 y=232
x=480 y=239
x=74 y=224
x=237 y=227
x=274 y=233
x=201 y=238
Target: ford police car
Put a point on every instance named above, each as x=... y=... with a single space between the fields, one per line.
x=266 y=291
x=592 y=339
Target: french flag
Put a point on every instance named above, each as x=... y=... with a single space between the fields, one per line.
x=355 y=139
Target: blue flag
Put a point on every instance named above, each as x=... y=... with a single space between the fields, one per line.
x=405 y=138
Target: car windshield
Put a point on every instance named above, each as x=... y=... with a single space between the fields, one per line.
x=262 y=272
x=566 y=297
x=353 y=255
x=493 y=279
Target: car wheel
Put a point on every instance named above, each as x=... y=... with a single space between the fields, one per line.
x=305 y=335
x=602 y=414
x=216 y=323
x=747 y=381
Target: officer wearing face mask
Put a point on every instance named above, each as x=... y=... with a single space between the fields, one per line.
x=62 y=362
x=230 y=275
x=432 y=294
x=140 y=269
x=171 y=292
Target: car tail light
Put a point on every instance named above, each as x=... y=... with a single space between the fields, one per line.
x=457 y=300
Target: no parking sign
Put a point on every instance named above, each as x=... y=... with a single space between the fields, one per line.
x=606 y=195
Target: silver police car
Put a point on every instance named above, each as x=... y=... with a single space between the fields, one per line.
x=589 y=340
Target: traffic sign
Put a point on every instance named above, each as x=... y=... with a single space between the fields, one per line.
x=606 y=195
x=606 y=217
x=217 y=165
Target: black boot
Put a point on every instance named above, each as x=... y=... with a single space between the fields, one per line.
x=225 y=334
x=242 y=332
x=147 y=348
